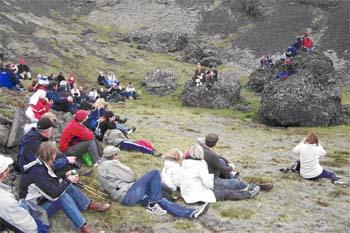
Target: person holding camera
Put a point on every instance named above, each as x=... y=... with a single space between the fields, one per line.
x=41 y=186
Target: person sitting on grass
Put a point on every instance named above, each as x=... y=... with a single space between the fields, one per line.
x=101 y=79
x=171 y=169
x=12 y=216
x=41 y=186
x=77 y=139
x=131 y=91
x=119 y=181
x=198 y=185
x=224 y=172
x=310 y=151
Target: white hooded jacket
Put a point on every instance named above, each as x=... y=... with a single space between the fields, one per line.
x=196 y=183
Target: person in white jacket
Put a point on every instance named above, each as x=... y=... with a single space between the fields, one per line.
x=310 y=151
x=12 y=216
x=171 y=169
x=197 y=185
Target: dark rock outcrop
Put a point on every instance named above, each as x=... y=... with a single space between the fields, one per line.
x=224 y=93
x=162 y=42
x=259 y=78
x=310 y=97
x=193 y=53
x=160 y=82
x=346 y=112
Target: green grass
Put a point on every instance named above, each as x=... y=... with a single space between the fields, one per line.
x=237 y=213
x=338 y=191
x=183 y=225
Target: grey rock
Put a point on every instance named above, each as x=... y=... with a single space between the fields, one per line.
x=310 y=97
x=4 y=134
x=160 y=82
x=224 y=93
x=207 y=61
x=193 y=53
x=346 y=113
x=161 y=42
x=259 y=78
x=17 y=128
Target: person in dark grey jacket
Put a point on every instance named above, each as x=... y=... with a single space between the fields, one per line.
x=119 y=181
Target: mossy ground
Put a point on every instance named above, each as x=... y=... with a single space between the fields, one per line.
x=257 y=150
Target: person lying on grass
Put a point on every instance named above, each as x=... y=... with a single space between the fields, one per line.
x=119 y=181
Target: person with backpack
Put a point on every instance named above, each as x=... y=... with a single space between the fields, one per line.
x=41 y=186
x=119 y=181
x=310 y=151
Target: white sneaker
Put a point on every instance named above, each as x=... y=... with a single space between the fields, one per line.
x=155 y=209
x=199 y=211
x=341 y=183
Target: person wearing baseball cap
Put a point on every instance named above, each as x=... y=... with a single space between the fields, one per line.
x=30 y=142
x=77 y=139
x=119 y=181
x=12 y=216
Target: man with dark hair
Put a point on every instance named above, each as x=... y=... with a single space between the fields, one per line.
x=223 y=170
x=31 y=141
x=60 y=103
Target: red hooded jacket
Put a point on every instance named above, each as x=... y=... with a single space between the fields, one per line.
x=75 y=132
x=307 y=43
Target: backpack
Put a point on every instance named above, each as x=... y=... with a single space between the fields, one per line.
x=146 y=143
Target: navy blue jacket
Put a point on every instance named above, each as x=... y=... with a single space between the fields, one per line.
x=94 y=115
x=49 y=185
x=60 y=103
x=29 y=146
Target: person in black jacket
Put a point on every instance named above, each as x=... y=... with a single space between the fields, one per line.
x=41 y=186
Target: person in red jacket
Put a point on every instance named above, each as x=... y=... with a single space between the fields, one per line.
x=76 y=138
x=307 y=43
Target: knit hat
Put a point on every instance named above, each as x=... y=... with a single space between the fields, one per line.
x=80 y=115
x=110 y=151
x=4 y=163
x=175 y=154
x=196 y=152
x=45 y=123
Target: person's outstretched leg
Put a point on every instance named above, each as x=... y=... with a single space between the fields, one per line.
x=328 y=175
x=129 y=145
x=80 y=199
x=176 y=209
x=233 y=184
x=229 y=194
x=147 y=189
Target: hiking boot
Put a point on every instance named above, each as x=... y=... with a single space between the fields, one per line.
x=155 y=209
x=85 y=171
x=266 y=186
x=255 y=189
x=97 y=207
x=199 y=211
x=133 y=129
x=157 y=154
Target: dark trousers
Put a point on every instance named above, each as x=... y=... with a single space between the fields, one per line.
x=327 y=175
x=7 y=226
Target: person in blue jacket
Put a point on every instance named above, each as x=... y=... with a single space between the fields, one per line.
x=8 y=78
x=30 y=143
x=60 y=103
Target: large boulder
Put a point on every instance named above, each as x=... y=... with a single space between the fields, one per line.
x=224 y=93
x=160 y=42
x=160 y=82
x=310 y=97
x=259 y=78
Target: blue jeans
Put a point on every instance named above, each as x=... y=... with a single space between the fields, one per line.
x=148 y=190
x=326 y=174
x=233 y=184
x=72 y=202
x=122 y=128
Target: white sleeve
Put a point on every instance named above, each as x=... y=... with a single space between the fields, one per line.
x=18 y=217
x=322 y=152
x=296 y=149
x=207 y=179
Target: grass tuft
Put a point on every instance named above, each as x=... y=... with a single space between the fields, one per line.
x=237 y=212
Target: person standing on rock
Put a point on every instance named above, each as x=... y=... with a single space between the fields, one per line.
x=12 y=216
x=310 y=151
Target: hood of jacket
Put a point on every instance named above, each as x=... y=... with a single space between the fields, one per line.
x=32 y=136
